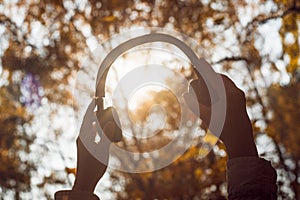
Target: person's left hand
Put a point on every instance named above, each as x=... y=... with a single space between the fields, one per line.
x=92 y=157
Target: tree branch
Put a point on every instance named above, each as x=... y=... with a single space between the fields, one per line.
x=231 y=59
x=259 y=20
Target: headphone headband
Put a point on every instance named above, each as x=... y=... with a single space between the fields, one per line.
x=153 y=37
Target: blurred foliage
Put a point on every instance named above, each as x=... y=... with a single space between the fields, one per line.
x=14 y=170
x=284 y=113
x=43 y=44
x=186 y=178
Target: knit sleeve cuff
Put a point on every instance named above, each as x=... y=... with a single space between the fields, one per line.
x=251 y=177
x=74 y=195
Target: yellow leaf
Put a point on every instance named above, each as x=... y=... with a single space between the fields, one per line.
x=70 y=170
x=109 y=18
x=198 y=173
x=210 y=138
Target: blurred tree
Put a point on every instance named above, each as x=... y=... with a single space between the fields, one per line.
x=283 y=125
x=43 y=43
x=14 y=169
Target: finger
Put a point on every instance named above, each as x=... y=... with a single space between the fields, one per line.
x=194 y=106
x=88 y=146
x=227 y=81
x=109 y=132
x=205 y=114
x=89 y=114
x=101 y=150
x=204 y=68
x=110 y=115
x=87 y=129
x=205 y=93
x=199 y=87
x=202 y=63
x=232 y=91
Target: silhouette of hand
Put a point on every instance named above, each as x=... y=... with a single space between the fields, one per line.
x=92 y=157
x=237 y=133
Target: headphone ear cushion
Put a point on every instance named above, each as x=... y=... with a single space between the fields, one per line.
x=110 y=115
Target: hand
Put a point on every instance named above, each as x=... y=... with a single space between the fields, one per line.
x=237 y=133
x=92 y=158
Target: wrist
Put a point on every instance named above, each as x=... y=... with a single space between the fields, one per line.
x=241 y=149
x=238 y=138
x=83 y=187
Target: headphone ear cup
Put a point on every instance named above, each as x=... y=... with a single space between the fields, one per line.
x=118 y=129
x=110 y=115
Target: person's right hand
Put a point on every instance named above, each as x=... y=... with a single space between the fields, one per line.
x=237 y=133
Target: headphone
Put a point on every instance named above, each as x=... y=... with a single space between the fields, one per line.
x=110 y=114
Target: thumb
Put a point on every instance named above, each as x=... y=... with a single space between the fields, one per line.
x=109 y=131
x=110 y=115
